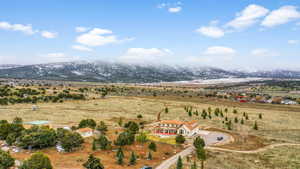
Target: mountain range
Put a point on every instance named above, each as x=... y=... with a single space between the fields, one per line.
x=129 y=73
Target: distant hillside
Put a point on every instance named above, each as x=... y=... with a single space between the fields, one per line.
x=127 y=73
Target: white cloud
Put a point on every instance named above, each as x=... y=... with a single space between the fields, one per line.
x=48 y=35
x=280 y=16
x=56 y=57
x=81 y=29
x=27 y=29
x=264 y=53
x=81 y=48
x=293 y=42
x=171 y=7
x=99 y=37
x=175 y=9
x=140 y=55
x=211 y=31
x=248 y=17
x=219 y=51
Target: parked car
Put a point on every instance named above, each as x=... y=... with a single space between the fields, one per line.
x=219 y=138
x=146 y=167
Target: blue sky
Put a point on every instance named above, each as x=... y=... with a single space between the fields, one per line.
x=246 y=34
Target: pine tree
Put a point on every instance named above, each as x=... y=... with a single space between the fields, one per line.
x=236 y=120
x=194 y=165
x=120 y=152
x=132 y=160
x=120 y=159
x=201 y=155
x=93 y=163
x=247 y=118
x=166 y=110
x=242 y=121
x=260 y=116
x=149 y=156
x=179 y=164
x=152 y=146
x=255 y=126
x=94 y=145
x=235 y=111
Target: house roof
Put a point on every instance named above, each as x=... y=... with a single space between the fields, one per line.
x=84 y=130
x=191 y=124
x=171 y=122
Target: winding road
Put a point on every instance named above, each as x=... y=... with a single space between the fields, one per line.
x=171 y=161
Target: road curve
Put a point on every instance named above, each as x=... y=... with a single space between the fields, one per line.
x=169 y=162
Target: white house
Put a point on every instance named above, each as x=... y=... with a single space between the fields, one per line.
x=85 y=132
x=174 y=127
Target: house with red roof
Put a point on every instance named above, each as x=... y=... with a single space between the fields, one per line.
x=175 y=127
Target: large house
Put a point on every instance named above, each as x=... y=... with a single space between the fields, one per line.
x=174 y=127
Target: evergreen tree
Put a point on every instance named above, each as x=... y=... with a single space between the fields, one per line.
x=194 y=165
x=120 y=158
x=199 y=142
x=179 y=164
x=132 y=160
x=255 y=126
x=236 y=120
x=201 y=155
x=235 y=111
x=166 y=110
x=93 y=163
x=120 y=153
x=149 y=156
x=152 y=146
x=37 y=161
x=120 y=122
x=94 y=146
x=260 y=116
x=247 y=118
x=102 y=127
x=242 y=121
x=6 y=161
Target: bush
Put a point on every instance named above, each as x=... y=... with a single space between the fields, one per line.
x=180 y=139
x=37 y=161
x=152 y=146
x=6 y=161
x=87 y=123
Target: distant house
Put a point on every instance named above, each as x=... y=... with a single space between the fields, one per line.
x=174 y=127
x=277 y=100
x=85 y=132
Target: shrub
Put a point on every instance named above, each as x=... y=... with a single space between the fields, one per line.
x=180 y=139
x=87 y=123
x=152 y=146
x=6 y=161
x=37 y=161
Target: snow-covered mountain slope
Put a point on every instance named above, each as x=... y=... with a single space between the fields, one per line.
x=128 y=73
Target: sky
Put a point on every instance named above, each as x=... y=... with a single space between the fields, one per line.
x=230 y=34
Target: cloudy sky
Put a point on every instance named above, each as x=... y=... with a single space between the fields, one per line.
x=245 y=34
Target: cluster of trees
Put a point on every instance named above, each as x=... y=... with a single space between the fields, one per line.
x=10 y=95
x=217 y=112
x=36 y=161
x=38 y=137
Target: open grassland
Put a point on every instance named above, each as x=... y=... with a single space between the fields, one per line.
x=277 y=158
x=278 y=124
